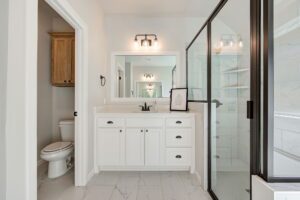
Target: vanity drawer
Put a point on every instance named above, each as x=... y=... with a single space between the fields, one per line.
x=110 y=122
x=144 y=122
x=179 y=122
x=178 y=156
x=179 y=137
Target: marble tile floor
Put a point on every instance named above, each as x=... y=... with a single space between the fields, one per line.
x=124 y=186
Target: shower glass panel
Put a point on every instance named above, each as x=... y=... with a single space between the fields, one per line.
x=286 y=153
x=230 y=82
x=197 y=68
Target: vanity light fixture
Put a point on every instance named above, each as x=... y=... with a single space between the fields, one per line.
x=148 y=76
x=146 y=40
x=231 y=41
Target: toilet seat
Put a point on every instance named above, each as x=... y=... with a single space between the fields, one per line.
x=57 y=147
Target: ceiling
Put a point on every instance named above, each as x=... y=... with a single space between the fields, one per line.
x=187 y=8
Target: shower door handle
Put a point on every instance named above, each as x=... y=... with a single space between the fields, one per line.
x=250 y=109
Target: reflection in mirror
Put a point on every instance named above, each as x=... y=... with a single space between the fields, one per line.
x=139 y=76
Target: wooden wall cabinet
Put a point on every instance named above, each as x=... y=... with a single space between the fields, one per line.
x=63 y=59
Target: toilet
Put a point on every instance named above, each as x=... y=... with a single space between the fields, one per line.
x=59 y=154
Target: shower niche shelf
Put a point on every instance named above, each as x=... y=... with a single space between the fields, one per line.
x=236 y=70
x=231 y=87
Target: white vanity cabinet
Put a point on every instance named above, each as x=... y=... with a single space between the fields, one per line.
x=142 y=147
x=152 y=147
x=110 y=137
x=145 y=141
x=134 y=147
x=109 y=146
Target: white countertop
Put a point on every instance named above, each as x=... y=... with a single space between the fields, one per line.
x=135 y=110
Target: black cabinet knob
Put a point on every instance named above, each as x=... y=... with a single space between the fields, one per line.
x=146 y=131
x=121 y=131
x=178 y=122
x=110 y=122
x=142 y=131
x=65 y=81
x=178 y=137
x=178 y=156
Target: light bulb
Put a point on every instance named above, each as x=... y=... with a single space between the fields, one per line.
x=155 y=43
x=136 y=43
x=231 y=43
x=221 y=43
x=145 y=43
x=241 y=44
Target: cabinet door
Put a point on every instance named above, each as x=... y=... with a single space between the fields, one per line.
x=73 y=60
x=61 y=62
x=152 y=147
x=109 y=150
x=134 y=147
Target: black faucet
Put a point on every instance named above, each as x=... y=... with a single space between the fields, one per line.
x=145 y=107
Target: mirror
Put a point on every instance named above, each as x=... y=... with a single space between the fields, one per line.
x=143 y=76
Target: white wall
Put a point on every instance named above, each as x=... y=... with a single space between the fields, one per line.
x=201 y=141
x=21 y=106
x=286 y=145
x=54 y=103
x=3 y=70
x=174 y=34
x=92 y=14
x=44 y=120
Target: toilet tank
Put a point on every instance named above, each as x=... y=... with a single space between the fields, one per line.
x=67 y=130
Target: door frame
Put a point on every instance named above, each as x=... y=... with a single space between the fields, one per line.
x=66 y=11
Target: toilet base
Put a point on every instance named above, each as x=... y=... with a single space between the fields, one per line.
x=59 y=167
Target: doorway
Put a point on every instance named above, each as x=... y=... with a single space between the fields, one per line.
x=65 y=11
x=55 y=94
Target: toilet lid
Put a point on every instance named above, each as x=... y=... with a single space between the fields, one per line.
x=57 y=146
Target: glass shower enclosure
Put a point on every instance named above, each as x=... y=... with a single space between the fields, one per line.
x=224 y=60
x=230 y=91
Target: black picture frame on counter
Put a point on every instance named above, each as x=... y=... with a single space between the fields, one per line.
x=178 y=99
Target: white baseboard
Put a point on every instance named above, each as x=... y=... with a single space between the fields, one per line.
x=90 y=175
x=40 y=162
x=199 y=178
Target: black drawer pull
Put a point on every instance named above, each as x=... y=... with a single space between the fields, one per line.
x=178 y=137
x=178 y=156
x=142 y=131
x=178 y=122
x=110 y=122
